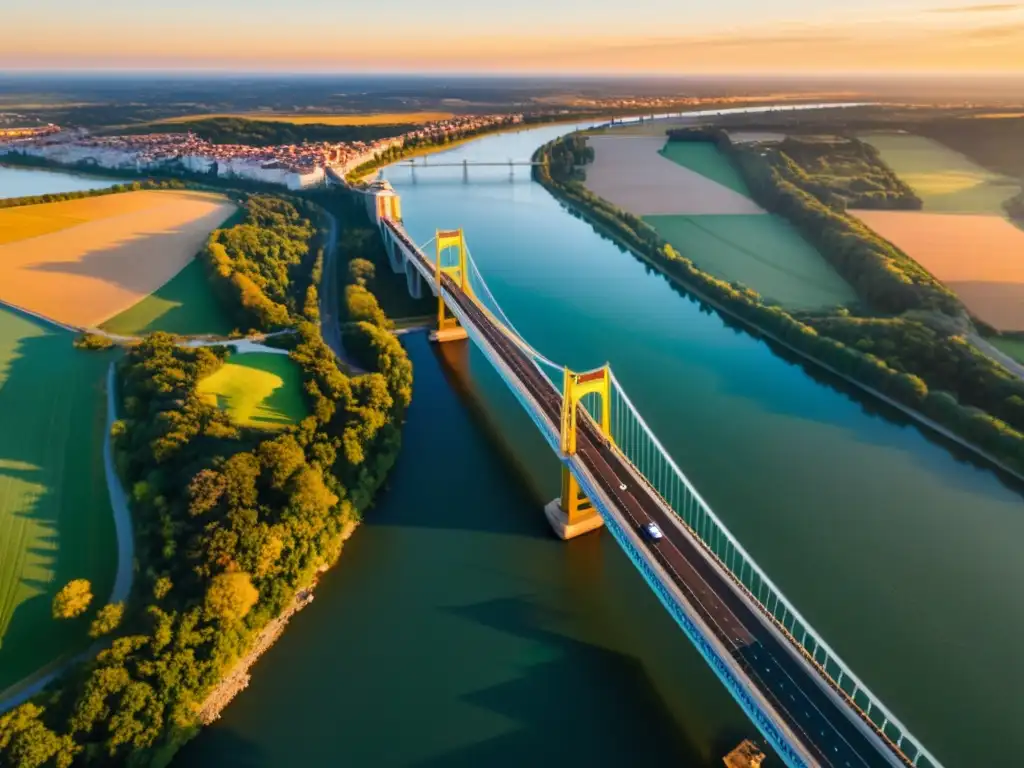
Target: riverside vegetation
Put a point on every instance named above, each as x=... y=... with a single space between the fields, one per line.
x=231 y=523
x=912 y=350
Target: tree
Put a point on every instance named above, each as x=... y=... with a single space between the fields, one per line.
x=73 y=599
x=361 y=271
x=106 y=620
x=231 y=596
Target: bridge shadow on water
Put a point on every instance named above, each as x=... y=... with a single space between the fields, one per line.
x=441 y=438
x=554 y=724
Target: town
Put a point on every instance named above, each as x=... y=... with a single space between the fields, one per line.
x=295 y=166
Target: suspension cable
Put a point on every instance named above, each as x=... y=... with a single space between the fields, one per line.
x=511 y=331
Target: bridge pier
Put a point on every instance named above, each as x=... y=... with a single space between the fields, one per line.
x=458 y=333
x=413 y=281
x=394 y=255
x=571 y=514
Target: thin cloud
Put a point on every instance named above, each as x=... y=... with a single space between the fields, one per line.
x=990 y=8
x=994 y=33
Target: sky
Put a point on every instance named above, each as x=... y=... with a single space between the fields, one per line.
x=517 y=36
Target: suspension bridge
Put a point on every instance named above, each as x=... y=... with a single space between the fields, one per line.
x=806 y=702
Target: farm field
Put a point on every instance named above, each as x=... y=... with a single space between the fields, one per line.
x=632 y=173
x=184 y=305
x=55 y=517
x=257 y=389
x=945 y=180
x=102 y=255
x=694 y=198
x=27 y=221
x=979 y=257
x=384 y=118
x=761 y=251
x=704 y=158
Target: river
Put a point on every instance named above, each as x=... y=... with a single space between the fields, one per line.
x=25 y=182
x=456 y=630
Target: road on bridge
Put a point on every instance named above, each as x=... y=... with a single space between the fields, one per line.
x=813 y=715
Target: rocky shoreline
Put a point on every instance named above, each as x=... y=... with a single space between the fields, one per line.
x=237 y=680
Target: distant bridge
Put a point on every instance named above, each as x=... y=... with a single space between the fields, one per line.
x=465 y=163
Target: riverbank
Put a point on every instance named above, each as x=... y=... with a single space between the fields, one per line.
x=919 y=418
x=237 y=680
x=224 y=586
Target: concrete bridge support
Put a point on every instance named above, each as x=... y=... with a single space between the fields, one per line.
x=413 y=281
x=395 y=255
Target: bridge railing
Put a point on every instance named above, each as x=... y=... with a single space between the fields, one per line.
x=635 y=440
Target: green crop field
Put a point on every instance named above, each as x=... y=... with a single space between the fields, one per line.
x=761 y=251
x=55 y=517
x=184 y=305
x=947 y=181
x=704 y=158
x=1012 y=347
x=257 y=389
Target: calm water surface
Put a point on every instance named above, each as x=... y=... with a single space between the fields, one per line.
x=24 y=182
x=457 y=631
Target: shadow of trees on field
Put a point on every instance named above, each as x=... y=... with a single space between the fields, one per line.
x=55 y=521
x=185 y=305
x=141 y=263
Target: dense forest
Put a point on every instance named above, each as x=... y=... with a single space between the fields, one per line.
x=360 y=240
x=262 y=268
x=841 y=172
x=861 y=347
x=846 y=170
x=568 y=156
x=267 y=133
x=943 y=361
x=230 y=525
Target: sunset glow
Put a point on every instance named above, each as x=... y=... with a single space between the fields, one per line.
x=650 y=36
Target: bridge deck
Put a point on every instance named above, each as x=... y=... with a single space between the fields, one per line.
x=794 y=689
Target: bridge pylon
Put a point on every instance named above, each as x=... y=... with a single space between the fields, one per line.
x=572 y=513
x=448 y=328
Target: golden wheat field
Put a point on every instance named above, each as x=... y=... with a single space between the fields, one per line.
x=82 y=261
x=979 y=257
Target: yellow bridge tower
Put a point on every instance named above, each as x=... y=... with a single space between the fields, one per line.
x=573 y=514
x=448 y=328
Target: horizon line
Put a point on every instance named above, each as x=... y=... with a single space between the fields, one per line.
x=214 y=71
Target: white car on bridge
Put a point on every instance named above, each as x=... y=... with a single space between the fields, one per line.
x=653 y=532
